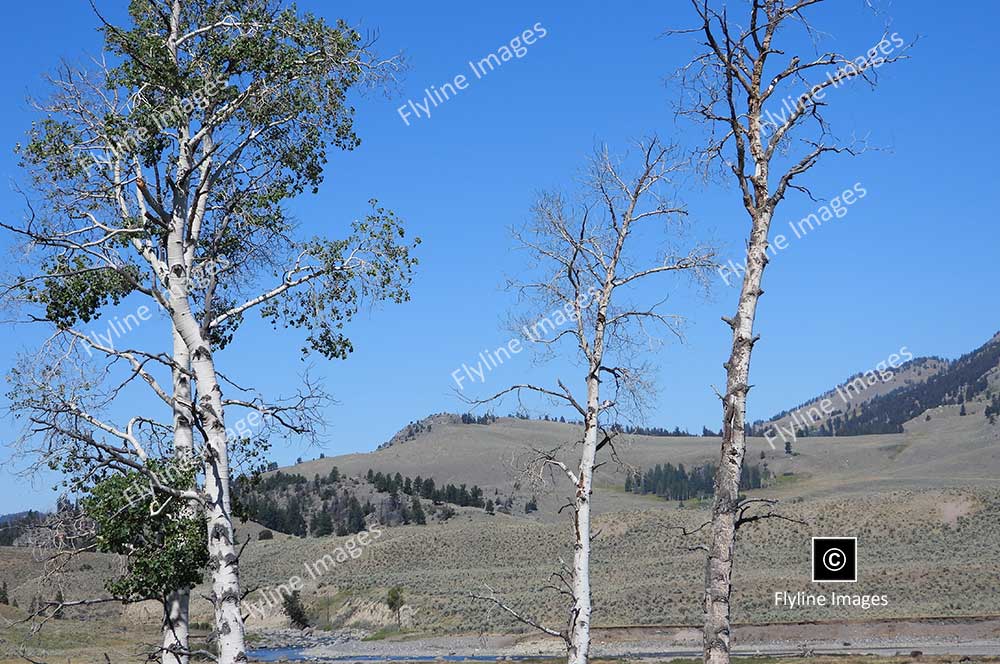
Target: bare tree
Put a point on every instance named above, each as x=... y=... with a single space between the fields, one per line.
x=763 y=103
x=589 y=257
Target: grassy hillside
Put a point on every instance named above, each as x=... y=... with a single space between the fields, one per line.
x=924 y=505
x=883 y=399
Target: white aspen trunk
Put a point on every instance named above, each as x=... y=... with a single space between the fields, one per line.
x=223 y=555
x=579 y=649
x=719 y=564
x=176 y=609
x=176 y=627
x=222 y=550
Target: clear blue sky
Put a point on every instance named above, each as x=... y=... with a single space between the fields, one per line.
x=914 y=264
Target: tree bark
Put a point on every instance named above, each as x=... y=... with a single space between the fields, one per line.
x=579 y=648
x=222 y=551
x=223 y=554
x=176 y=633
x=719 y=565
x=176 y=608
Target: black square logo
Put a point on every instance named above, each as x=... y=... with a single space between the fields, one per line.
x=834 y=559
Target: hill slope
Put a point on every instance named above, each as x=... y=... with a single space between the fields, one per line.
x=883 y=399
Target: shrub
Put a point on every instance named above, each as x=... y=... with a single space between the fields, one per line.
x=394 y=599
x=296 y=613
x=265 y=535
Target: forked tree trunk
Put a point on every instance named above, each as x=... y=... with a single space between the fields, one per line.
x=719 y=565
x=223 y=556
x=176 y=609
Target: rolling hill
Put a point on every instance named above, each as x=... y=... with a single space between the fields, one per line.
x=882 y=399
x=923 y=502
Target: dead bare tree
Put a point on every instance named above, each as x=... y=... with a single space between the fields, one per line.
x=763 y=103
x=589 y=256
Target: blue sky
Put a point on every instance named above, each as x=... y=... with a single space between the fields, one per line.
x=913 y=264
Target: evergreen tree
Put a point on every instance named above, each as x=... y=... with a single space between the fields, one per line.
x=321 y=524
x=4 y=598
x=394 y=599
x=417 y=512
x=295 y=611
x=355 y=517
x=489 y=507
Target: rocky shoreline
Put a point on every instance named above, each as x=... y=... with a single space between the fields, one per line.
x=972 y=637
x=268 y=639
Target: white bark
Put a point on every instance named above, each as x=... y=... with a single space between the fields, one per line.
x=223 y=554
x=579 y=648
x=176 y=618
x=176 y=633
x=739 y=73
x=719 y=565
x=585 y=261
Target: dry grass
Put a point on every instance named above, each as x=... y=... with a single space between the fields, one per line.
x=924 y=506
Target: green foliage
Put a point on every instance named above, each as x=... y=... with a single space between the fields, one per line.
x=321 y=524
x=323 y=309
x=12 y=527
x=417 y=512
x=992 y=409
x=163 y=539
x=270 y=86
x=678 y=483
x=394 y=600
x=294 y=609
x=75 y=292
x=460 y=495
x=265 y=535
x=4 y=597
